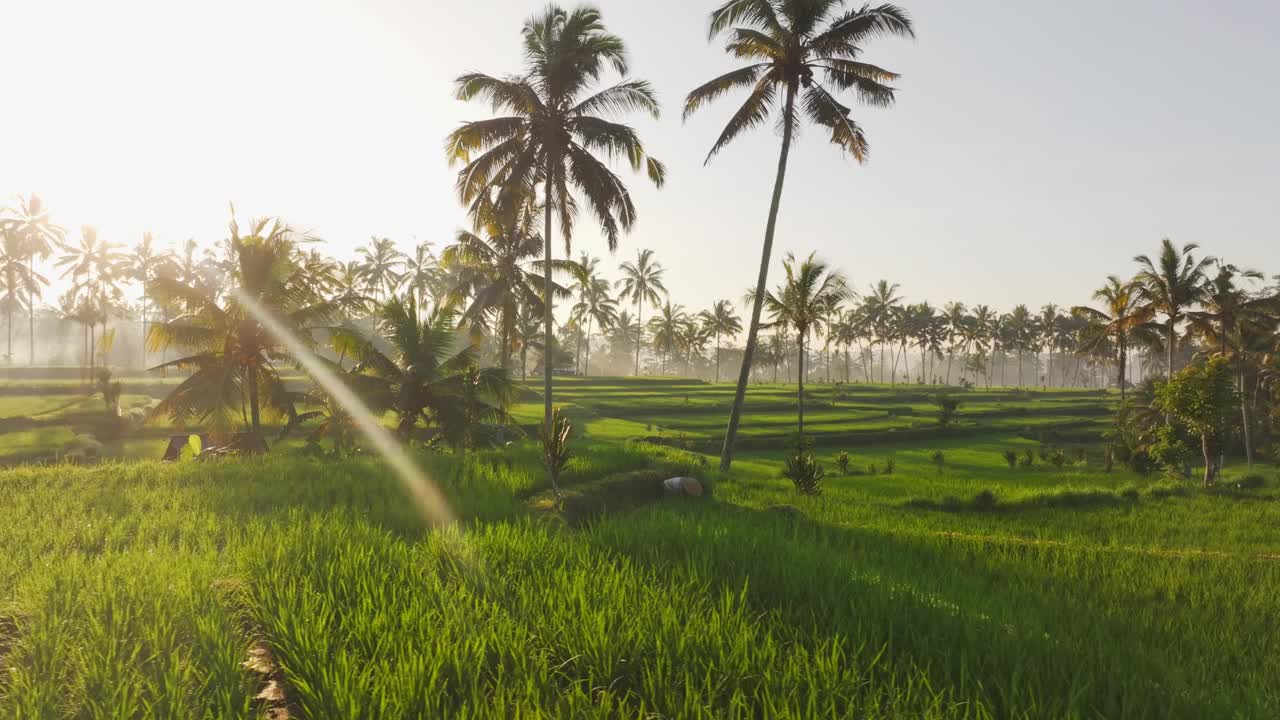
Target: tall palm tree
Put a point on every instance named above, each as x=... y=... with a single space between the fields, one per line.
x=1170 y=285
x=721 y=320
x=95 y=267
x=20 y=282
x=879 y=308
x=142 y=265
x=641 y=282
x=623 y=334
x=555 y=124
x=801 y=302
x=232 y=354
x=792 y=48
x=382 y=261
x=666 y=328
x=38 y=236
x=1020 y=325
x=1049 y=322
x=420 y=270
x=1121 y=314
x=497 y=268
x=585 y=271
x=1239 y=324
x=599 y=310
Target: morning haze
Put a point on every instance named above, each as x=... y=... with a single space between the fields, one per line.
x=1031 y=143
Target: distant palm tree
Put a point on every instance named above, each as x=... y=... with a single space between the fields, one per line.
x=143 y=265
x=1121 y=314
x=599 y=310
x=424 y=377
x=1020 y=324
x=1049 y=321
x=555 y=123
x=420 y=271
x=95 y=267
x=381 y=262
x=801 y=302
x=20 y=282
x=233 y=356
x=879 y=308
x=721 y=320
x=792 y=47
x=641 y=282
x=666 y=328
x=1170 y=285
x=497 y=268
x=38 y=236
x=622 y=337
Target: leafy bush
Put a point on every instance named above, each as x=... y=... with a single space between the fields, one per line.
x=948 y=409
x=842 y=462
x=985 y=501
x=889 y=465
x=1028 y=459
x=1129 y=492
x=1011 y=458
x=555 y=445
x=803 y=469
x=873 y=469
x=1057 y=458
x=939 y=459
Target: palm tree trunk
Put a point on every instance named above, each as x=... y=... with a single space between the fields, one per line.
x=586 y=359
x=717 y=357
x=1245 y=420
x=254 y=413
x=735 y=413
x=1169 y=349
x=639 y=331
x=31 y=308
x=800 y=384
x=548 y=318
x=144 y=322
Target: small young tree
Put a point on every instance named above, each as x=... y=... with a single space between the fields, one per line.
x=948 y=409
x=1202 y=397
x=555 y=438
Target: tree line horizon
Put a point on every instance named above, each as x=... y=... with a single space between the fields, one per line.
x=547 y=155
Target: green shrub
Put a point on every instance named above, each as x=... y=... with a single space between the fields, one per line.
x=555 y=445
x=889 y=466
x=842 y=462
x=1011 y=458
x=1028 y=458
x=803 y=469
x=939 y=459
x=985 y=501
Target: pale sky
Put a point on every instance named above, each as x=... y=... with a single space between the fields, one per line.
x=1035 y=147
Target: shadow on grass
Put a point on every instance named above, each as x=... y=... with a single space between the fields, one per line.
x=1016 y=631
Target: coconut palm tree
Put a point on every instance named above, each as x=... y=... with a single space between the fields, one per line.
x=233 y=356
x=666 y=328
x=641 y=282
x=38 y=236
x=879 y=308
x=623 y=334
x=1122 y=313
x=425 y=377
x=20 y=282
x=800 y=55
x=721 y=320
x=1170 y=285
x=497 y=268
x=599 y=310
x=142 y=265
x=1239 y=324
x=420 y=271
x=801 y=302
x=382 y=262
x=95 y=268
x=555 y=123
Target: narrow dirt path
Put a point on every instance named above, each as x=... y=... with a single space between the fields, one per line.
x=275 y=699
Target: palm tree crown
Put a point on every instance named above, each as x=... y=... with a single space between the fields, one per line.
x=553 y=124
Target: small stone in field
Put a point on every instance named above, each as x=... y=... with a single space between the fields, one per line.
x=682 y=486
